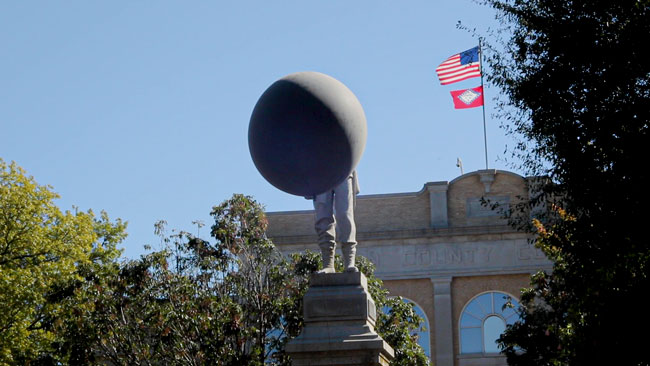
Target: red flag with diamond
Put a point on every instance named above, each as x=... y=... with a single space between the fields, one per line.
x=467 y=98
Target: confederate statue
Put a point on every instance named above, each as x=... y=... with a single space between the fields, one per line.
x=306 y=135
x=334 y=219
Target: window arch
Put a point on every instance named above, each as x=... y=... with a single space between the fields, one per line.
x=483 y=320
x=423 y=335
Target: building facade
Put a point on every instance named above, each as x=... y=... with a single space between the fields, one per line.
x=444 y=250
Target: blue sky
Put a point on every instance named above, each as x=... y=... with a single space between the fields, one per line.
x=142 y=108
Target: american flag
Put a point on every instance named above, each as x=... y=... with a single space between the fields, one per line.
x=459 y=67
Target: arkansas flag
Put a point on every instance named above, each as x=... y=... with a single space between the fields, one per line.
x=467 y=98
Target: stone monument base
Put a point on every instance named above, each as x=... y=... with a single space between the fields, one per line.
x=339 y=324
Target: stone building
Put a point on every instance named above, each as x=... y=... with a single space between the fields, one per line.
x=442 y=249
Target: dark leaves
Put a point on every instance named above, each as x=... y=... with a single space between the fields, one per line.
x=575 y=78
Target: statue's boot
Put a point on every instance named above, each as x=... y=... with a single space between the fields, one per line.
x=327 y=252
x=349 y=253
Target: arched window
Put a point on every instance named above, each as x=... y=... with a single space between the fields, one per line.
x=423 y=335
x=483 y=321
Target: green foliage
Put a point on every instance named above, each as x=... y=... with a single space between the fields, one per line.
x=576 y=84
x=233 y=301
x=399 y=324
x=194 y=302
x=44 y=255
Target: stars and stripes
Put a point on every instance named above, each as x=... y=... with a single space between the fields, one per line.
x=461 y=66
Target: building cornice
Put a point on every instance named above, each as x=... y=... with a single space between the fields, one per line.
x=410 y=234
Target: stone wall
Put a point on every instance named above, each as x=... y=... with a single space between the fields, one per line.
x=465 y=193
x=437 y=205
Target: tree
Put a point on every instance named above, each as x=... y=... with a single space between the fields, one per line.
x=44 y=253
x=576 y=88
x=231 y=301
x=79 y=296
x=397 y=321
x=272 y=288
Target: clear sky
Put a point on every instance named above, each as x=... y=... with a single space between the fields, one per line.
x=141 y=108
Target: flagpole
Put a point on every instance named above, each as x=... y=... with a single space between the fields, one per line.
x=480 y=55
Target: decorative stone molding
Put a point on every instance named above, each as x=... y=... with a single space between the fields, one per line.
x=422 y=258
x=438 y=202
x=487 y=177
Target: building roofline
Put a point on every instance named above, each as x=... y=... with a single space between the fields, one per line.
x=406 y=194
x=483 y=171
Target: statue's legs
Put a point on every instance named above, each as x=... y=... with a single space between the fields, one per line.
x=325 y=228
x=327 y=254
x=345 y=226
x=349 y=254
x=335 y=221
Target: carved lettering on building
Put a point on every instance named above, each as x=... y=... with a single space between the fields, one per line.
x=372 y=256
x=485 y=254
x=526 y=252
x=414 y=257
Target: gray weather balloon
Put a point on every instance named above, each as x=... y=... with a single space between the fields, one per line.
x=307 y=133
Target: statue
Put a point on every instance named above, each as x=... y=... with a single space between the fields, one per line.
x=334 y=219
x=306 y=135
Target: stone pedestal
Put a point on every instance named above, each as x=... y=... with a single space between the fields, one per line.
x=339 y=324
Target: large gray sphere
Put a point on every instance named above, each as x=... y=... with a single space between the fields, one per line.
x=307 y=133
